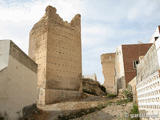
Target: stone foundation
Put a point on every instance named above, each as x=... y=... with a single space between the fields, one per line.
x=50 y=96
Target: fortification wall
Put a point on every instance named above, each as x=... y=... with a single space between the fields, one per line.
x=108 y=66
x=55 y=45
x=63 y=53
x=38 y=49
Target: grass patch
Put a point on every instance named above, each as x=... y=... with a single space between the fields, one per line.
x=134 y=111
x=123 y=101
x=111 y=95
x=128 y=94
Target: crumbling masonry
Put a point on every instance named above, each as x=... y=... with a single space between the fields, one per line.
x=55 y=46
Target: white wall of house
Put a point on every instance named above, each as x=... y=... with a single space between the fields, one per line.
x=155 y=34
x=119 y=68
x=18 y=88
x=148 y=80
x=148 y=93
x=4 y=53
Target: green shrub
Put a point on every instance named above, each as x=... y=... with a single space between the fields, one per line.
x=123 y=101
x=111 y=95
x=128 y=94
x=134 y=111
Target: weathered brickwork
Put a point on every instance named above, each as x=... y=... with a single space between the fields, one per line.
x=108 y=66
x=55 y=45
x=132 y=53
x=119 y=68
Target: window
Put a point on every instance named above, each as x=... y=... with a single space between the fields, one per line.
x=135 y=63
x=155 y=38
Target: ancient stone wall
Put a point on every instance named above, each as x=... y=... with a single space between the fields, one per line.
x=38 y=48
x=93 y=87
x=55 y=45
x=108 y=66
x=92 y=77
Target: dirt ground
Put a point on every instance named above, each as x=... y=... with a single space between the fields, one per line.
x=111 y=112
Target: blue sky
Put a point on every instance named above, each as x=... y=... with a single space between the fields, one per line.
x=106 y=24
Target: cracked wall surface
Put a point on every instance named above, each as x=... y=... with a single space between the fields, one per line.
x=55 y=45
x=108 y=66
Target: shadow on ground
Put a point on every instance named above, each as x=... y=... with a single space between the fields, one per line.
x=90 y=108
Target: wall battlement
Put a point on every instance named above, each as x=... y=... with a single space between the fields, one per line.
x=55 y=45
x=108 y=66
x=52 y=17
x=108 y=57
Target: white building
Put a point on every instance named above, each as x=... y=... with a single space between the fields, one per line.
x=148 y=80
x=18 y=81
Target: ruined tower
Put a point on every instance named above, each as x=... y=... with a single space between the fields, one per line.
x=55 y=45
x=108 y=66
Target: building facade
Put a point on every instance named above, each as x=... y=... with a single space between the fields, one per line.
x=55 y=45
x=132 y=84
x=148 y=80
x=18 y=81
x=119 y=68
x=155 y=35
x=127 y=58
x=108 y=68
